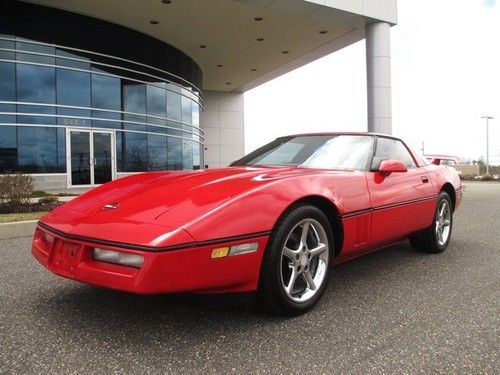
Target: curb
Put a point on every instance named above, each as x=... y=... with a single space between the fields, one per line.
x=24 y=228
x=59 y=199
x=17 y=229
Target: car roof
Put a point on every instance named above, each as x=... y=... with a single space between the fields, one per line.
x=340 y=133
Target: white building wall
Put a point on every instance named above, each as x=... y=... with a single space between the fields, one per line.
x=222 y=120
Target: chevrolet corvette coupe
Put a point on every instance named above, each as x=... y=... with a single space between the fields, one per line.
x=274 y=222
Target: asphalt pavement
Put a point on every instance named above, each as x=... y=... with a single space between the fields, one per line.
x=394 y=311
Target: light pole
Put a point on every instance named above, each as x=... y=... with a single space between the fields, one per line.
x=487 y=144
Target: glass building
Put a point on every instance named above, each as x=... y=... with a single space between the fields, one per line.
x=83 y=101
x=95 y=90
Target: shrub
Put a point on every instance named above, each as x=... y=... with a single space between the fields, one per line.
x=16 y=189
x=48 y=200
x=39 y=193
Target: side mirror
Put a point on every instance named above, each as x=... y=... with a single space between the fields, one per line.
x=389 y=166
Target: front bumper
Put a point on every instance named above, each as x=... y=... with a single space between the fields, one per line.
x=170 y=271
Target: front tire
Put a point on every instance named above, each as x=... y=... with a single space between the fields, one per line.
x=297 y=261
x=435 y=239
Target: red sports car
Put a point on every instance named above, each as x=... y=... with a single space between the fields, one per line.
x=274 y=222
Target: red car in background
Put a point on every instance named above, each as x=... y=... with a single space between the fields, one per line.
x=442 y=159
x=274 y=222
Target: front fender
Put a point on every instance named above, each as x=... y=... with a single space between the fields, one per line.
x=257 y=210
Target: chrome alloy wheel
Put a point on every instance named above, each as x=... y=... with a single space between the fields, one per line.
x=443 y=222
x=304 y=260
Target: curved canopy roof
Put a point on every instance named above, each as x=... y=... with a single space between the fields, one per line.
x=240 y=44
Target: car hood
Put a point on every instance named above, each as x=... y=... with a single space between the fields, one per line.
x=154 y=208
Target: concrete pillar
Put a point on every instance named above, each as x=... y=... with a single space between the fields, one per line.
x=378 y=71
x=222 y=120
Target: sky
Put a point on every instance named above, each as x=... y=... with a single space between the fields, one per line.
x=445 y=76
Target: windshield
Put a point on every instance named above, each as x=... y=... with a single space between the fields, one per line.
x=314 y=151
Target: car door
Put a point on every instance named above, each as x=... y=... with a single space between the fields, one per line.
x=402 y=202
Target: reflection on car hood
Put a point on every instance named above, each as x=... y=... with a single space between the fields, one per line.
x=142 y=208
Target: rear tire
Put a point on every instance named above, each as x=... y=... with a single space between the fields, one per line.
x=435 y=239
x=297 y=261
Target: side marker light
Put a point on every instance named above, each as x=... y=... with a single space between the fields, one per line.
x=244 y=248
x=220 y=252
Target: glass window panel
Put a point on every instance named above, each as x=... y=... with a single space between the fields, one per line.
x=7 y=119
x=134 y=100
x=196 y=115
x=344 y=151
x=186 y=92
x=174 y=111
x=120 y=157
x=39 y=120
x=157 y=152
x=284 y=154
x=133 y=126
x=187 y=154
x=134 y=97
x=71 y=118
x=174 y=88
x=72 y=63
x=174 y=147
x=388 y=148
x=80 y=158
x=26 y=46
x=36 y=84
x=128 y=125
x=106 y=92
x=6 y=55
x=61 y=148
x=202 y=155
x=134 y=152
x=196 y=156
x=22 y=118
x=196 y=134
x=73 y=88
x=156 y=101
x=8 y=149
x=7 y=44
x=172 y=126
x=187 y=111
x=157 y=129
x=315 y=151
x=7 y=81
x=106 y=124
x=38 y=150
x=156 y=106
x=102 y=158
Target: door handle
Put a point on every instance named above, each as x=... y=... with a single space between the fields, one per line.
x=424 y=179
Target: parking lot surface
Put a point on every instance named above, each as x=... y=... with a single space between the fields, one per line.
x=394 y=311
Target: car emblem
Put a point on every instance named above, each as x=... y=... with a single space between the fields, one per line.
x=110 y=206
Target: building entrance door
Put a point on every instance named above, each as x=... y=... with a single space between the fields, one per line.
x=90 y=157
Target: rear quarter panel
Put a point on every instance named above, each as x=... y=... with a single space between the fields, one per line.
x=440 y=175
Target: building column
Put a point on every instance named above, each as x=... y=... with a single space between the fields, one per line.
x=378 y=71
x=222 y=121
